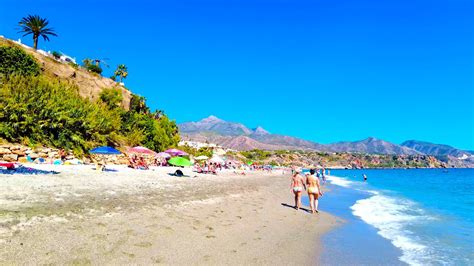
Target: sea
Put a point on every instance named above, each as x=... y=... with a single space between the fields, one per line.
x=400 y=216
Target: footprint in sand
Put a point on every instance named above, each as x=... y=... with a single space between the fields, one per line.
x=143 y=244
x=152 y=226
x=99 y=236
x=130 y=255
x=210 y=236
x=80 y=261
x=210 y=228
x=130 y=232
x=157 y=260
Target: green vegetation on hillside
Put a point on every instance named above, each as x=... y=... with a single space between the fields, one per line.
x=89 y=65
x=14 y=61
x=38 y=109
x=344 y=160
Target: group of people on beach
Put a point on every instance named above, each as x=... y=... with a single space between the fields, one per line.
x=310 y=182
x=136 y=162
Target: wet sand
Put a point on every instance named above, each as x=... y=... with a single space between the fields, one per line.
x=81 y=216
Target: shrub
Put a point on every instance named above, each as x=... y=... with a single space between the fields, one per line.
x=14 y=60
x=74 y=65
x=94 y=69
x=56 y=54
x=111 y=97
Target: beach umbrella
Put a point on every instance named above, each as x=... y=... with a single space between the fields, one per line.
x=163 y=155
x=217 y=159
x=142 y=150
x=201 y=158
x=179 y=161
x=249 y=163
x=176 y=152
x=106 y=150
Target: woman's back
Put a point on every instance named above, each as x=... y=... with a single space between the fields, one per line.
x=311 y=180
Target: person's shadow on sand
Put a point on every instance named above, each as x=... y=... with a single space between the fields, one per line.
x=293 y=207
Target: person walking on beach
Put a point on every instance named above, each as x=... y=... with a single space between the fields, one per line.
x=314 y=190
x=323 y=175
x=297 y=186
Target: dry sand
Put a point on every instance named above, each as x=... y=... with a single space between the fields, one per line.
x=81 y=216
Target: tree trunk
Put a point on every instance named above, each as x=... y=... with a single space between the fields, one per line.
x=120 y=78
x=35 y=42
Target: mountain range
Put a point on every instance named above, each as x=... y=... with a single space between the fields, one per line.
x=237 y=136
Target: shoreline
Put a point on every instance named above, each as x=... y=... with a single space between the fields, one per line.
x=355 y=241
x=132 y=216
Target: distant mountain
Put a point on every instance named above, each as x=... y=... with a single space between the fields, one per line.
x=372 y=146
x=259 y=131
x=436 y=149
x=237 y=136
x=216 y=125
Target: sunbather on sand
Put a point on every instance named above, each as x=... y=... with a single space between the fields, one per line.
x=132 y=162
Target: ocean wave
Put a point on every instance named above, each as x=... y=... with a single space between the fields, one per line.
x=392 y=217
x=338 y=181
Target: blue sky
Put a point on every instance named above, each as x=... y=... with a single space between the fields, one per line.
x=321 y=70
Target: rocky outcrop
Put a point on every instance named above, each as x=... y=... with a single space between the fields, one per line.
x=19 y=153
x=23 y=154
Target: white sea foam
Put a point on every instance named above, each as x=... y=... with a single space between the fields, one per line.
x=392 y=216
x=338 y=181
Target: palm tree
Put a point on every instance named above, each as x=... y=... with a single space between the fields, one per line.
x=38 y=26
x=98 y=62
x=122 y=72
x=87 y=62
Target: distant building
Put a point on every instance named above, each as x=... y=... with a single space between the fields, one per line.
x=67 y=59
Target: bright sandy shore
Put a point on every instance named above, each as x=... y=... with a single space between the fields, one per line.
x=82 y=216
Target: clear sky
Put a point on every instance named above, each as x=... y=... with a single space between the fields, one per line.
x=321 y=70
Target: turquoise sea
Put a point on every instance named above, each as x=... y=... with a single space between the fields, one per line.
x=426 y=215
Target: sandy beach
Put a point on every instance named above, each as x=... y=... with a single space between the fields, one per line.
x=81 y=216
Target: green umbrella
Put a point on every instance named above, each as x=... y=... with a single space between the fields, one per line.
x=249 y=162
x=180 y=161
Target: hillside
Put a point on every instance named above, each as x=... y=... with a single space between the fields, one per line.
x=54 y=104
x=90 y=85
x=435 y=149
x=372 y=146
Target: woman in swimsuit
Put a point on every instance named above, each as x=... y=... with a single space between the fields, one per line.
x=297 y=185
x=314 y=190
